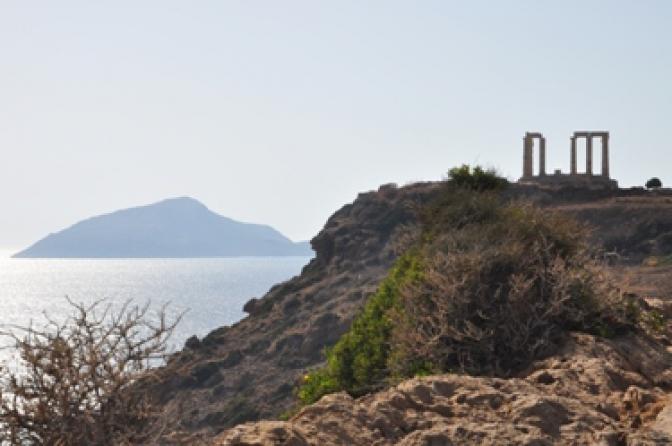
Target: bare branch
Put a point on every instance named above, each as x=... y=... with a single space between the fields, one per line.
x=69 y=387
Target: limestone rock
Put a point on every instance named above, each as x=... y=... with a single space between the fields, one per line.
x=593 y=392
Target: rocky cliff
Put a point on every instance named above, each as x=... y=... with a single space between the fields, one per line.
x=249 y=371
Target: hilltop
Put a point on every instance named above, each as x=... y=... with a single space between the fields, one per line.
x=177 y=227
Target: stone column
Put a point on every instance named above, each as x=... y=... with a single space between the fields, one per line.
x=589 y=154
x=572 y=155
x=527 y=157
x=605 y=155
x=542 y=156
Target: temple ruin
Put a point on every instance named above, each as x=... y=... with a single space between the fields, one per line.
x=575 y=178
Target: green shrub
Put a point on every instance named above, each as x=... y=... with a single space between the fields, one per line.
x=358 y=361
x=476 y=178
x=654 y=183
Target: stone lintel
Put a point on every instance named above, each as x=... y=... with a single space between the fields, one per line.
x=591 y=134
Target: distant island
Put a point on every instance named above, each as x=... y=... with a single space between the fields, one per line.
x=177 y=227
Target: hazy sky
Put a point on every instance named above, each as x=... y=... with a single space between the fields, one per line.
x=280 y=112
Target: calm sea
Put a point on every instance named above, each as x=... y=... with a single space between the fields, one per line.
x=213 y=291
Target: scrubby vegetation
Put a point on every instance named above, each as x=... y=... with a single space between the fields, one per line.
x=358 y=362
x=654 y=183
x=475 y=178
x=70 y=385
x=497 y=294
x=488 y=287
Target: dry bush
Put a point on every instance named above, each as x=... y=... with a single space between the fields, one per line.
x=499 y=293
x=69 y=388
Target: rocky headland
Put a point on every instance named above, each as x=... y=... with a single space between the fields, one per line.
x=592 y=390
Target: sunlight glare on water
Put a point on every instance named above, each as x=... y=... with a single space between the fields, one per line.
x=212 y=290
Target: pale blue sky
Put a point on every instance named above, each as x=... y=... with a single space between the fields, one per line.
x=280 y=112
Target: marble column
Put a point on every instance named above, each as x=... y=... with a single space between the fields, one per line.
x=589 y=154
x=572 y=155
x=527 y=157
x=605 y=155
x=542 y=156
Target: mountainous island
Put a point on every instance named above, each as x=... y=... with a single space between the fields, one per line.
x=177 y=227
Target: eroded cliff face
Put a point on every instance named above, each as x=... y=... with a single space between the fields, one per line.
x=249 y=371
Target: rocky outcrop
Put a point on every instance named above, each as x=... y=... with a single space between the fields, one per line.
x=593 y=392
x=249 y=371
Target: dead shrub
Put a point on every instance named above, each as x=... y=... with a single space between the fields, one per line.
x=500 y=292
x=70 y=386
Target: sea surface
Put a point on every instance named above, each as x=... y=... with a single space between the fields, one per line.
x=211 y=291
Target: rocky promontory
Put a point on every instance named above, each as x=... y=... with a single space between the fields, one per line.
x=250 y=371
